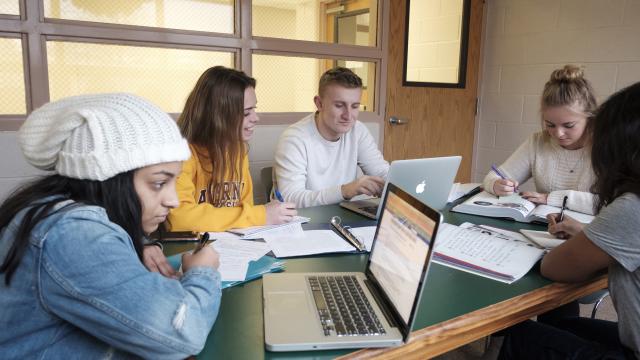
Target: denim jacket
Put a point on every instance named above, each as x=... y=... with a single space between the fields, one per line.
x=80 y=291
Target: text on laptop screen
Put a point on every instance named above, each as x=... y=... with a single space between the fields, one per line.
x=400 y=252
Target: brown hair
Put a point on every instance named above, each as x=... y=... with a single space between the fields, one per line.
x=340 y=76
x=568 y=87
x=212 y=119
x=615 y=154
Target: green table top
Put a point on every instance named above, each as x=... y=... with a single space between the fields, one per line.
x=238 y=332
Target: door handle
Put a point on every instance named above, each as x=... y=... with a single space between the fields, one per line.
x=397 y=121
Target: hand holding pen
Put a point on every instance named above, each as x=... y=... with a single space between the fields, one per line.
x=564 y=206
x=202 y=255
x=279 y=211
x=202 y=242
x=562 y=226
x=503 y=186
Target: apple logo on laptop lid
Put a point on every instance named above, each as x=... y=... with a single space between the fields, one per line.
x=420 y=187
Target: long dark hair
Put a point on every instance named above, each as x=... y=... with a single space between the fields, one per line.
x=212 y=119
x=116 y=195
x=615 y=155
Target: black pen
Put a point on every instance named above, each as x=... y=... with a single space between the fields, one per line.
x=202 y=242
x=564 y=206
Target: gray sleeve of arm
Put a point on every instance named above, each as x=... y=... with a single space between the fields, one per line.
x=616 y=230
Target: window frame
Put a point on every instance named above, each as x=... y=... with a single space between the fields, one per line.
x=36 y=30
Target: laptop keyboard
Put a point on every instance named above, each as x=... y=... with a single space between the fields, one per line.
x=343 y=307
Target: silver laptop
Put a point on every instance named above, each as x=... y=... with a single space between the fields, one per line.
x=377 y=308
x=430 y=180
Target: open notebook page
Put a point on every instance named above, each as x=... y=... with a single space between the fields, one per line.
x=543 y=210
x=293 y=241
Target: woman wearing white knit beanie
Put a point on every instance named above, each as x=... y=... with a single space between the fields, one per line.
x=71 y=244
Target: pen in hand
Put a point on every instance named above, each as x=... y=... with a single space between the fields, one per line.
x=202 y=242
x=564 y=206
x=278 y=195
x=497 y=171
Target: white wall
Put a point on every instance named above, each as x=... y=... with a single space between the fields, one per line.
x=525 y=40
x=14 y=170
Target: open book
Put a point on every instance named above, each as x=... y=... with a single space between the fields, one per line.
x=489 y=254
x=514 y=207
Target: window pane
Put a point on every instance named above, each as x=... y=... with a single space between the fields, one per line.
x=12 y=95
x=202 y=15
x=300 y=76
x=435 y=41
x=351 y=22
x=10 y=7
x=164 y=76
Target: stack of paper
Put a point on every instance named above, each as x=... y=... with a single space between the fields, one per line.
x=235 y=256
x=240 y=260
x=294 y=241
x=264 y=265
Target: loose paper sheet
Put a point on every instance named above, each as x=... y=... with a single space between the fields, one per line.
x=365 y=234
x=300 y=242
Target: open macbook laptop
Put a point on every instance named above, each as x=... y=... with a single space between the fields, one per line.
x=430 y=180
x=377 y=308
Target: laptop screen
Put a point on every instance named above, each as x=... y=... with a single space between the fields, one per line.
x=399 y=258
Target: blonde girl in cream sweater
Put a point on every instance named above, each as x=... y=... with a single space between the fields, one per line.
x=557 y=158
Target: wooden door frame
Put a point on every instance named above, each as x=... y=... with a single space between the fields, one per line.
x=463 y=142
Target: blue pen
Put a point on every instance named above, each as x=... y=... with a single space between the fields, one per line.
x=278 y=195
x=495 y=169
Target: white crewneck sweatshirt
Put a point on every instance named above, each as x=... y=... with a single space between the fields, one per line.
x=310 y=170
x=555 y=170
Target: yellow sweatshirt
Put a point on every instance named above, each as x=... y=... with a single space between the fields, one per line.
x=213 y=207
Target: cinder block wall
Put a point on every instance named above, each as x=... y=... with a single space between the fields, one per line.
x=525 y=40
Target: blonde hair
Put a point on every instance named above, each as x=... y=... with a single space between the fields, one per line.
x=568 y=87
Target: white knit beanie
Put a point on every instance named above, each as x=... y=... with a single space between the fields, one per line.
x=96 y=137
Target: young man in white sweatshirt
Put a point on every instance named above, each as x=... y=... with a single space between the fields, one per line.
x=317 y=158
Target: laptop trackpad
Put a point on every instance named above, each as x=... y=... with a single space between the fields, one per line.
x=286 y=303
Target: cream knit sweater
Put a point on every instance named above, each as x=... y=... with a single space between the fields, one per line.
x=556 y=171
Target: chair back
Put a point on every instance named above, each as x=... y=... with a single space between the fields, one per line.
x=266 y=177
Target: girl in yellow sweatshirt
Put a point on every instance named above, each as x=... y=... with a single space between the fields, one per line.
x=215 y=187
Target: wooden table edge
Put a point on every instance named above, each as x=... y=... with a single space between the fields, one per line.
x=448 y=335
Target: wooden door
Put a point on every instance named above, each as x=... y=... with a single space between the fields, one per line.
x=441 y=121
